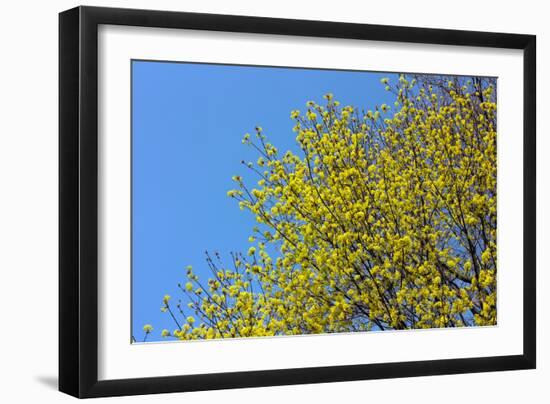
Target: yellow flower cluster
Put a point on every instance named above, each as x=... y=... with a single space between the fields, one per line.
x=382 y=222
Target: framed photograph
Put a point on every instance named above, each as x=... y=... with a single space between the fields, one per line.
x=251 y=201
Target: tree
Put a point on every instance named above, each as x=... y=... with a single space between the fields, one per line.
x=386 y=219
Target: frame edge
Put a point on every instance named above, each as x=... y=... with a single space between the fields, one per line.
x=529 y=201
x=69 y=81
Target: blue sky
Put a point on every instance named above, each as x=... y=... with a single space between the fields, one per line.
x=187 y=124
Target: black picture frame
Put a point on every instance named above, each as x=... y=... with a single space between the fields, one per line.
x=78 y=201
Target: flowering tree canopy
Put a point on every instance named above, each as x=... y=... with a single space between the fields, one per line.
x=385 y=219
